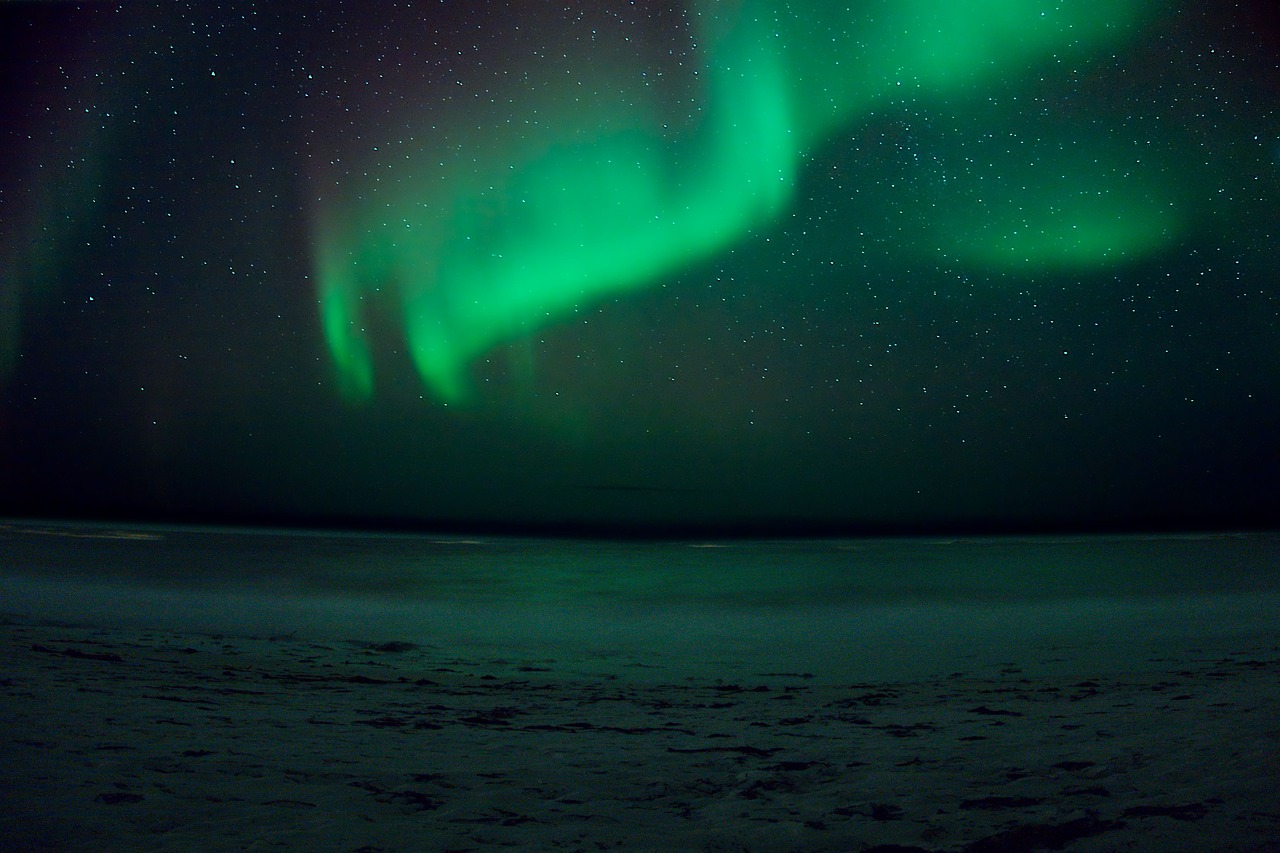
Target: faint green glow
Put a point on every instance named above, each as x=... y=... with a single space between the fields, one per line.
x=349 y=349
x=1084 y=230
x=477 y=251
x=1087 y=208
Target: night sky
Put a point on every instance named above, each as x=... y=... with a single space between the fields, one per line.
x=753 y=265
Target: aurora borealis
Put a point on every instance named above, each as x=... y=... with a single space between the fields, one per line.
x=538 y=226
x=877 y=264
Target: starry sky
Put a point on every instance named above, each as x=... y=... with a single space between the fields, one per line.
x=753 y=265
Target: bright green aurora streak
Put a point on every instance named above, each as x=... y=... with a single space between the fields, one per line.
x=530 y=232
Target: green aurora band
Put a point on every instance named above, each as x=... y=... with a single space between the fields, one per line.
x=533 y=229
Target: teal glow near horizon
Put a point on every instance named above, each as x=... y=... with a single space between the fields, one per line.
x=467 y=250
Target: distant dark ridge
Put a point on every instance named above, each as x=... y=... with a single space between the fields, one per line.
x=740 y=529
